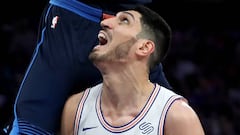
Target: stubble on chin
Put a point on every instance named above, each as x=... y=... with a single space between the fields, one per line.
x=120 y=52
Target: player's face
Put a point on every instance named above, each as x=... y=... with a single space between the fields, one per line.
x=117 y=37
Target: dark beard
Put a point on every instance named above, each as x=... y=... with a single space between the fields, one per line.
x=120 y=52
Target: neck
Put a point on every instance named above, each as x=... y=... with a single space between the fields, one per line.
x=123 y=97
x=126 y=88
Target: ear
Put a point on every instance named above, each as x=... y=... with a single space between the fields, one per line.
x=146 y=47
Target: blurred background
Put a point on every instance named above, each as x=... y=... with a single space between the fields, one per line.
x=202 y=65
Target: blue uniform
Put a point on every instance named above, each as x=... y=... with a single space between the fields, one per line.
x=60 y=65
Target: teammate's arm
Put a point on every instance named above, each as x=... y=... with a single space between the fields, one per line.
x=68 y=114
x=182 y=120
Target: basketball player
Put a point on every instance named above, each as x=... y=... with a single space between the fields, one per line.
x=60 y=63
x=126 y=102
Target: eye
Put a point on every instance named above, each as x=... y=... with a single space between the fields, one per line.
x=124 y=20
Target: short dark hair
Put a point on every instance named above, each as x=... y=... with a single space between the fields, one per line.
x=155 y=28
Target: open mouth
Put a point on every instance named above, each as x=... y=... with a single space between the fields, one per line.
x=102 y=39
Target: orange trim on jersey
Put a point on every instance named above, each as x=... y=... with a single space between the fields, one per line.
x=165 y=110
x=134 y=121
x=79 y=112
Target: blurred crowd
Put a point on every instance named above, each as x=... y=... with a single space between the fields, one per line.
x=203 y=65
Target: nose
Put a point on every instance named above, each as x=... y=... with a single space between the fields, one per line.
x=106 y=22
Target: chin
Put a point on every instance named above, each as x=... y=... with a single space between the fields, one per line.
x=92 y=56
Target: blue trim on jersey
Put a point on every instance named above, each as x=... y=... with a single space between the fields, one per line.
x=28 y=129
x=45 y=20
x=15 y=127
x=79 y=8
x=35 y=55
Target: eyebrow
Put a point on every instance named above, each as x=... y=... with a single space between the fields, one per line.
x=130 y=14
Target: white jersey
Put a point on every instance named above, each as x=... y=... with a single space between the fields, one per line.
x=150 y=121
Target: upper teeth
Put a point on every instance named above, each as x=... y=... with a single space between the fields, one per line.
x=102 y=38
x=101 y=35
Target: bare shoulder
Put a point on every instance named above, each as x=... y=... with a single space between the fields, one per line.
x=68 y=114
x=73 y=100
x=181 y=119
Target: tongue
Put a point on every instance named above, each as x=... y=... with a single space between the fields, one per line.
x=102 y=41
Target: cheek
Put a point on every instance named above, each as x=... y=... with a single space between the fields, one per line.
x=123 y=39
x=124 y=48
x=121 y=51
x=124 y=33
